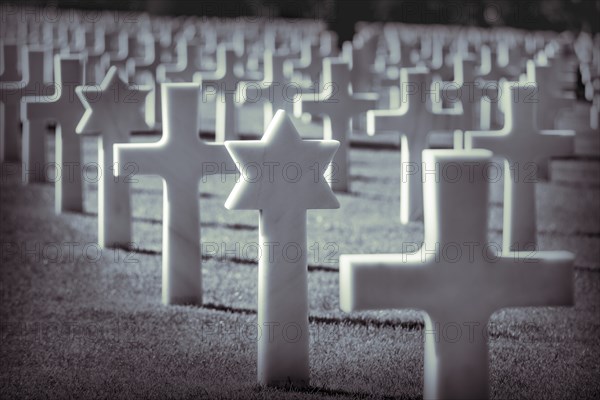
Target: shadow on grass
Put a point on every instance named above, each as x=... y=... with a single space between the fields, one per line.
x=367 y=196
x=206 y=257
x=227 y=309
x=365 y=322
x=154 y=221
x=152 y=192
x=373 y=179
x=323 y=391
x=138 y=219
x=235 y=227
x=577 y=233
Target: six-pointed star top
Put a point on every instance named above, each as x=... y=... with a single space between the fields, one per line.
x=114 y=107
x=281 y=170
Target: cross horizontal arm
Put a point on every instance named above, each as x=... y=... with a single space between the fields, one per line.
x=384 y=120
x=315 y=107
x=40 y=111
x=140 y=158
x=384 y=281
x=533 y=279
x=494 y=141
x=363 y=102
x=556 y=143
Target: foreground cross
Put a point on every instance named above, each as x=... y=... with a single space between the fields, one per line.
x=456 y=277
x=279 y=178
x=62 y=108
x=525 y=148
x=338 y=104
x=113 y=110
x=181 y=159
x=415 y=119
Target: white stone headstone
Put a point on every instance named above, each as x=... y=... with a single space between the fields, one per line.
x=185 y=68
x=34 y=131
x=117 y=50
x=279 y=178
x=181 y=159
x=274 y=91
x=148 y=64
x=525 y=148
x=338 y=104
x=144 y=71
x=414 y=120
x=307 y=69
x=222 y=83
x=456 y=277
x=113 y=110
x=10 y=63
x=464 y=89
x=361 y=54
x=549 y=96
x=15 y=66
x=63 y=108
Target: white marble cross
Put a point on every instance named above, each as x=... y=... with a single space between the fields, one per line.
x=273 y=91
x=10 y=65
x=497 y=64
x=185 y=68
x=361 y=54
x=457 y=278
x=339 y=105
x=307 y=69
x=551 y=100
x=181 y=159
x=222 y=83
x=465 y=88
x=125 y=51
x=117 y=50
x=63 y=108
x=525 y=148
x=113 y=110
x=147 y=64
x=33 y=151
x=414 y=120
x=145 y=70
x=396 y=52
x=13 y=81
x=95 y=47
x=282 y=176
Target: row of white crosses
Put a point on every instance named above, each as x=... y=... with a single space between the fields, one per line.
x=62 y=108
x=411 y=208
x=367 y=282
x=450 y=367
x=16 y=84
x=524 y=147
x=339 y=105
x=179 y=158
x=127 y=42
